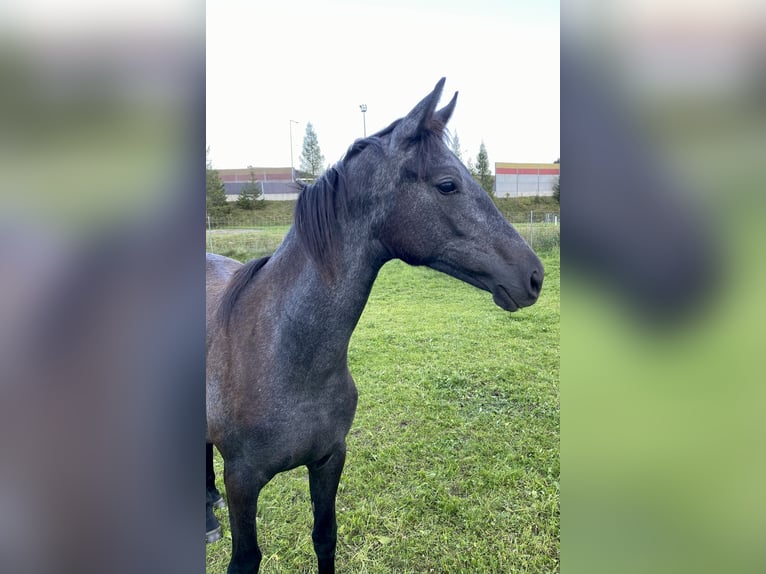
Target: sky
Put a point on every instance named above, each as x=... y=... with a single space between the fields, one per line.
x=317 y=61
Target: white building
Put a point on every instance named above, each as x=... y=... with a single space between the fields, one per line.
x=525 y=179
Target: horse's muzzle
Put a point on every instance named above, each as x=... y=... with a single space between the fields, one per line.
x=522 y=291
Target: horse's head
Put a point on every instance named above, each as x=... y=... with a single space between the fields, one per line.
x=434 y=213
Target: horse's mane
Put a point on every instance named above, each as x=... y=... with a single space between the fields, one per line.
x=237 y=283
x=321 y=204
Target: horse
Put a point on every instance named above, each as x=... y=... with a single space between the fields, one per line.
x=279 y=391
x=617 y=189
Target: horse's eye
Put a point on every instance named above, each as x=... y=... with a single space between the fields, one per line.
x=446 y=187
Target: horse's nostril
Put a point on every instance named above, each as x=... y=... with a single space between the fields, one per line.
x=535 y=283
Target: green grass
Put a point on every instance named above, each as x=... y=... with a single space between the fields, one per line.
x=665 y=422
x=243 y=244
x=270 y=213
x=515 y=209
x=453 y=458
x=518 y=208
x=246 y=243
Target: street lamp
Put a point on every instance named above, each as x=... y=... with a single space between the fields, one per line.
x=292 y=169
x=363 y=107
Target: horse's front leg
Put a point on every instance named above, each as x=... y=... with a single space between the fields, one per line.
x=242 y=489
x=213 y=496
x=323 y=482
x=214 y=499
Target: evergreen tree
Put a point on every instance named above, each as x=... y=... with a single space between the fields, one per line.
x=455 y=146
x=251 y=193
x=472 y=168
x=215 y=192
x=557 y=186
x=482 y=172
x=312 y=160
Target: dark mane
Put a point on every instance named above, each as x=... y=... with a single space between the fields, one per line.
x=317 y=212
x=235 y=286
x=321 y=204
x=316 y=216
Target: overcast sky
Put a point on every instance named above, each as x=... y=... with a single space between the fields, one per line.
x=317 y=61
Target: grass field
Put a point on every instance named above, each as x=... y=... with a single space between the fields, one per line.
x=246 y=243
x=453 y=458
x=244 y=234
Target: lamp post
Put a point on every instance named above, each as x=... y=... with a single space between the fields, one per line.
x=292 y=169
x=363 y=107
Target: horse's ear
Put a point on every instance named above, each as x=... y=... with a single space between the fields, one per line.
x=444 y=114
x=417 y=120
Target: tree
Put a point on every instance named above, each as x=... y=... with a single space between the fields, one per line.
x=312 y=160
x=482 y=172
x=472 y=168
x=251 y=193
x=455 y=146
x=215 y=192
x=557 y=186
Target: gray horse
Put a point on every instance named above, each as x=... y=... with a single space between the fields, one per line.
x=279 y=392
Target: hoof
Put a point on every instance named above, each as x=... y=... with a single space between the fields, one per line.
x=219 y=502
x=213 y=535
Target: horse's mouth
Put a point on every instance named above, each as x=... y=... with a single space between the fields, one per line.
x=503 y=299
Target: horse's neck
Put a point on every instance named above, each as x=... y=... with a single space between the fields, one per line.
x=325 y=311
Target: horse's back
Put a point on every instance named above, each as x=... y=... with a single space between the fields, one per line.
x=218 y=271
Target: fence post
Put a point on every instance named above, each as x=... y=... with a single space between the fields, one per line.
x=531 y=213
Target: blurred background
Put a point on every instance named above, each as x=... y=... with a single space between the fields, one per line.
x=101 y=296
x=663 y=136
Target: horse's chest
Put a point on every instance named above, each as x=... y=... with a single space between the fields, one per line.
x=314 y=426
x=330 y=411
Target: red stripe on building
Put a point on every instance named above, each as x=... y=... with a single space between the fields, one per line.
x=526 y=171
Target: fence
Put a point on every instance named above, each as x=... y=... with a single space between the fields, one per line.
x=249 y=220
x=260 y=234
x=541 y=229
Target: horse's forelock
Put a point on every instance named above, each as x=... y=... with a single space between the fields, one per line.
x=426 y=143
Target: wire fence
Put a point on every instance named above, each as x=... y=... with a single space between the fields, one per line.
x=249 y=220
x=540 y=229
x=260 y=234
